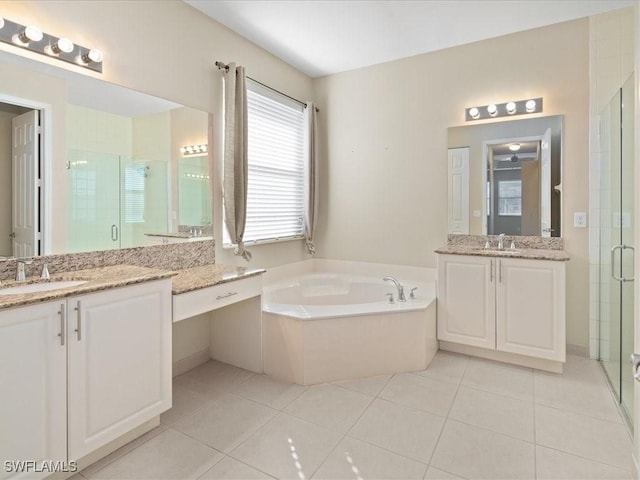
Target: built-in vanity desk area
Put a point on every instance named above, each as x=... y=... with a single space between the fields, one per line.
x=503 y=304
x=87 y=367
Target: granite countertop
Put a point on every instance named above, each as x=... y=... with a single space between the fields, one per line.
x=529 y=253
x=204 y=276
x=102 y=278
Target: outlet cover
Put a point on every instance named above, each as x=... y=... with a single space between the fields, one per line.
x=579 y=219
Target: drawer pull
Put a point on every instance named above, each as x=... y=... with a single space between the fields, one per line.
x=230 y=294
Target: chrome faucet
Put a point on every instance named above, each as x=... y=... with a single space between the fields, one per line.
x=21 y=262
x=501 y=242
x=399 y=286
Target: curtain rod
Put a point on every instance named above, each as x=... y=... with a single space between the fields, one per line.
x=225 y=67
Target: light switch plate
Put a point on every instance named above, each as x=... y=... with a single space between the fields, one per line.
x=579 y=219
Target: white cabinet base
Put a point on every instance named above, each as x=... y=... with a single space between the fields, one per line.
x=513 y=358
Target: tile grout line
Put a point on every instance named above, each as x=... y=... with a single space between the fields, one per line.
x=345 y=434
x=446 y=418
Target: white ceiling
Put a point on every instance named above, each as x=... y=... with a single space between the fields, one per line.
x=321 y=37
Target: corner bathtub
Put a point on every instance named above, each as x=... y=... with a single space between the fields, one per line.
x=326 y=327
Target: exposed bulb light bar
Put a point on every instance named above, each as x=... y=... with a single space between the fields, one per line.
x=33 y=39
x=194 y=149
x=496 y=110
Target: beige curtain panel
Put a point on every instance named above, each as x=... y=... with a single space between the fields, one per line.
x=235 y=156
x=311 y=177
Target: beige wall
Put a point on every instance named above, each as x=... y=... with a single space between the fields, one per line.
x=384 y=188
x=170 y=54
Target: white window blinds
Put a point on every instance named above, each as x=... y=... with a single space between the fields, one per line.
x=275 y=192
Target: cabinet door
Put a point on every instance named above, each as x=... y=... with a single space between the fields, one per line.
x=33 y=379
x=530 y=308
x=466 y=300
x=119 y=362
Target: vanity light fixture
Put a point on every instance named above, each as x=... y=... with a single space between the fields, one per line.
x=33 y=39
x=194 y=149
x=496 y=110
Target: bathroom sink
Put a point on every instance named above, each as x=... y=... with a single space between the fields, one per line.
x=40 y=287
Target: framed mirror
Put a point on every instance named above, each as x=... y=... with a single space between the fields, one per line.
x=506 y=177
x=102 y=168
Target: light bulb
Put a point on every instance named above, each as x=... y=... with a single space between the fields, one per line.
x=474 y=112
x=511 y=108
x=62 y=45
x=492 y=109
x=530 y=106
x=29 y=34
x=515 y=147
x=92 y=56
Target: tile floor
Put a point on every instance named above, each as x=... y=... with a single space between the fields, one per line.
x=463 y=417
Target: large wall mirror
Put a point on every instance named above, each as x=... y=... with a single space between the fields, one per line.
x=113 y=157
x=505 y=177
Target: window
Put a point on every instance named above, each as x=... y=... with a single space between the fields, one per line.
x=510 y=198
x=133 y=195
x=275 y=192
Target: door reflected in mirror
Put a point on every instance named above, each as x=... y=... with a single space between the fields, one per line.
x=505 y=177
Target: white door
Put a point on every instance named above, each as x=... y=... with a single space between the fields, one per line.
x=33 y=380
x=25 y=184
x=466 y=300
x=545 y=184
x=458 y=205
x=119 y=362
x=530 y=308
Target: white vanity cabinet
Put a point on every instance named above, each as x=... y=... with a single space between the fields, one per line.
x=33 y=387
x=119 y=373
x=510 y=305
x=82 y=371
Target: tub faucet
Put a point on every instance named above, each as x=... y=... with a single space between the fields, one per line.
x=501 y=242
x=399 y=286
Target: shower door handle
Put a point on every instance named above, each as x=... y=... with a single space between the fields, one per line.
x=114 y=232
x=635 y=360
x=613 y=257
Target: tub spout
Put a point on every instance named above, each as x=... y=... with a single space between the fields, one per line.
x=399 y=287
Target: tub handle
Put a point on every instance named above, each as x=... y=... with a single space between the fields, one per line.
x=230 y=294
x=390 y=295
x=412 y=294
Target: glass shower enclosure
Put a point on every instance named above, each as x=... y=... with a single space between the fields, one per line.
x=617 y=243
x=113 y=200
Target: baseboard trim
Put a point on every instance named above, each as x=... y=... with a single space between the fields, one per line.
x=522 y=360
x=578 y=350
x=192 y=361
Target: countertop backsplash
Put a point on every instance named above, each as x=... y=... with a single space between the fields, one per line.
x=171 y=256
x=523 y=242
